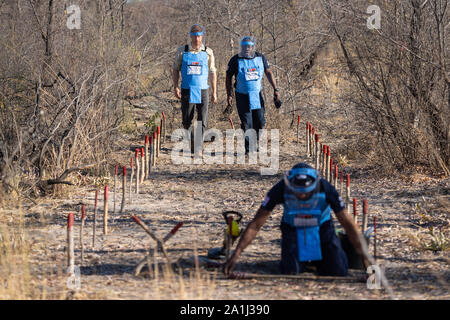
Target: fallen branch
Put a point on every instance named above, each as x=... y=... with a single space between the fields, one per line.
x=60 y=179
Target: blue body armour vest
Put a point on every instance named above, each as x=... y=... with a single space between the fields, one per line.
x=194 y=74
x=307 y=217
x=248 y=79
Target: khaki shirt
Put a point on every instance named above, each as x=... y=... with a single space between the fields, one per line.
x=179 y=58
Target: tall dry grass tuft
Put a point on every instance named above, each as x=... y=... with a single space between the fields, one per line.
x=15 y=276
x=21 y=277
x=166 y=284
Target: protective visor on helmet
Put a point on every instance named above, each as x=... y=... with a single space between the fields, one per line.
x=301 y=180
x=247 y=45
x=197 y=30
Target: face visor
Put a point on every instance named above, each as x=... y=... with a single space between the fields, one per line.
x=247 y=47
x=196 y=30
x=302 y=182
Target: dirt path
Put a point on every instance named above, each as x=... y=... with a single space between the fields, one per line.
x=197 y=195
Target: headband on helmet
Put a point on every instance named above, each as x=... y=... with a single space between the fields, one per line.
x=247 y=47
x=197 y=33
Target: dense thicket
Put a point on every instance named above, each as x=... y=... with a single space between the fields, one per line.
x=63 y=92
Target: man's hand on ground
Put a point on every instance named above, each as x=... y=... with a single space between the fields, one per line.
x=230 y=264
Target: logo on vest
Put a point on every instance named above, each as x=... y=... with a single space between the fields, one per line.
x=251 y=74
x=194 y=68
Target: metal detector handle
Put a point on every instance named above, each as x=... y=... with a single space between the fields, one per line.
x=227 y=213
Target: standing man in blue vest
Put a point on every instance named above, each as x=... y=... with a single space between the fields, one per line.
x=195 y=62
x=307 y=230
x=248 y=67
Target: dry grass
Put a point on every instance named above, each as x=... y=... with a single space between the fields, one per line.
x=28 y=273
x=434 y=226
x=15 y=276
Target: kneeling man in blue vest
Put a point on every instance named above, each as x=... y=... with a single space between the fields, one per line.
x=307 y=232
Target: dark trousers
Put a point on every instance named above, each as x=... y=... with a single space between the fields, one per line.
x=334 y=260
x=250 y=119
x=187 y=109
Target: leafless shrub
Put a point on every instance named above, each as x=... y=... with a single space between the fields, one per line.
x=399 y=78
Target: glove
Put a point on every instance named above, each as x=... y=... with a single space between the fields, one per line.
x=277 y=102
x=228 y=110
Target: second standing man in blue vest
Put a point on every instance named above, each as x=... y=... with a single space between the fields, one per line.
x=195 y=62
x=249 y=67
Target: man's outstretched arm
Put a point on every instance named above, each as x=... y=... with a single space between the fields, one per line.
x=352 y=232
x=249 y=234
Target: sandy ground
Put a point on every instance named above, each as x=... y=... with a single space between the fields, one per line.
x=196 y=195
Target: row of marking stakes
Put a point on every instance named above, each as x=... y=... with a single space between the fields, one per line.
x=144 y=160
x=329 y=170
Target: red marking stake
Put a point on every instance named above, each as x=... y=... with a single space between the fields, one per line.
x=364 y=221
x=83 y=217
x=115 y=187
x=355 y=211
x=70 y=220
x=173 y=231
x=163 y=127
x=374 y=238
x=158 y=147
x=348 y=189
x=142 y=167
x=95 y=218
x=308 y=131
x=155 y=144
x=105 y=210
x=231 y=122
x=124 y=188
x=331 y=165
x=70 y=244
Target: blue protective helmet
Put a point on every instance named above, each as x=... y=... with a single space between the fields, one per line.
x=301 y=179
x=247 y=41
